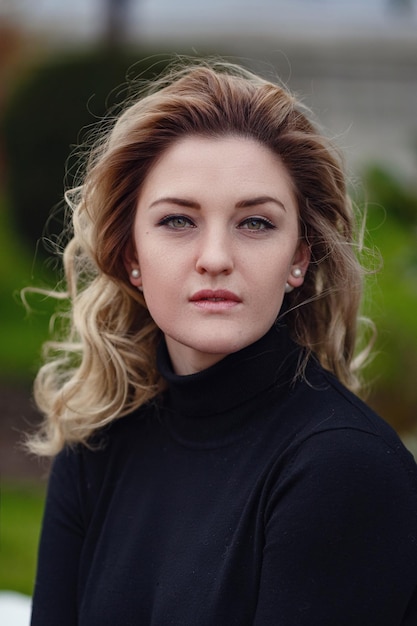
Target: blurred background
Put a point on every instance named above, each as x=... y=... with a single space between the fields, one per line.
x=63 y=64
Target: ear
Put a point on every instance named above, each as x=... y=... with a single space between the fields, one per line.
x=299 y=265
x=131 y=263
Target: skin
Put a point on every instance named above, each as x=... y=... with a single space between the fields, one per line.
x=215 y=238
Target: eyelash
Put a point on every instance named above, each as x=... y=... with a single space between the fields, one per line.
x=265 y=224
x=167 y=221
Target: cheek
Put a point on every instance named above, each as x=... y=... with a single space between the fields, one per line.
x=269 y=283
x=268 y=294
x=160 y=281
x=273 y=272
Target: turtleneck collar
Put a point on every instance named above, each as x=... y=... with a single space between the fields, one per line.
x=235 y=380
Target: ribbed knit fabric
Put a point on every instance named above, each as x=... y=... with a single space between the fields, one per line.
x=241 y=497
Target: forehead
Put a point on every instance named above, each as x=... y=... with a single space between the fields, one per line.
x=238 y=163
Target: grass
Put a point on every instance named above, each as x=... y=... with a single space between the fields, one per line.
x=20 y=521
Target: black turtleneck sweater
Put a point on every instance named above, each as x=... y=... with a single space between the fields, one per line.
x=239 y=498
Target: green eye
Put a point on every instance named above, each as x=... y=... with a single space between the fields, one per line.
x=176 y=222
x=257 y=223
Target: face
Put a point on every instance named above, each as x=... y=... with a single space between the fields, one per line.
x=216 y=238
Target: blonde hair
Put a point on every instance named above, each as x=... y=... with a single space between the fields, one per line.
x=104 y=365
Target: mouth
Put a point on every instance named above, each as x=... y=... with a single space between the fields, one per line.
x=218 y=299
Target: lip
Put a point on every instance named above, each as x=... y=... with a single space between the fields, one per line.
x=215 y=299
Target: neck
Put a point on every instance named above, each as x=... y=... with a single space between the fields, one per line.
x=186 y=361
x=209 y=405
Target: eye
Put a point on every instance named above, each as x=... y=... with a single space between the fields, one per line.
x=256 y=223
x=176 y=222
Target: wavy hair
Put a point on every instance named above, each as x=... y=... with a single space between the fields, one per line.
x=102 y=366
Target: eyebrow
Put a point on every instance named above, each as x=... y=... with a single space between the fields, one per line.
x=242 y=204
x=190 y=204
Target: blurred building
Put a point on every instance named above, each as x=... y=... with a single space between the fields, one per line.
x=354 y=62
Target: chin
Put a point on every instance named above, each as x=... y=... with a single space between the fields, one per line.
x=226 y=345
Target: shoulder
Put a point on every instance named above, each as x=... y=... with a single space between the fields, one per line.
x=331 y=406
x=82 y=474
x=341 y=454
x=340 y=438
x=345 y=468
x=105 y=450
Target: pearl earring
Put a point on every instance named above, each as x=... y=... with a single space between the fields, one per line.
x=296 y=272
x=135 y=273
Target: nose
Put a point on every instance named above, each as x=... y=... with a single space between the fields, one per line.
x=214 y=253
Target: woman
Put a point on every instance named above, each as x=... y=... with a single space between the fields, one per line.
x=213 y=466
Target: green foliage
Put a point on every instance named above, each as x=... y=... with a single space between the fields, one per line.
x=21 y=514
x=21 y=332
x=397 y=199
x=392 y=297
x=42 y=124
